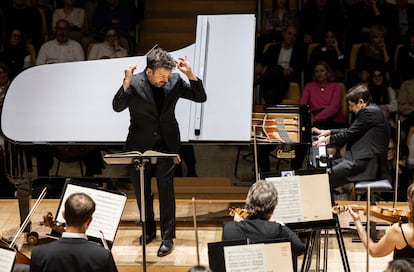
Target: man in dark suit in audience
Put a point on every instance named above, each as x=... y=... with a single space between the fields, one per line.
x=280 y=65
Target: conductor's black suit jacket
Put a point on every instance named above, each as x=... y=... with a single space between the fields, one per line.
x=146 y=123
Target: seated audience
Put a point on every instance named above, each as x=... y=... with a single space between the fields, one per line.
x=74 y=15
x=112 y=13
x=260 y=223
x=405 y=59
x=27 y=18
x=280 y=65
x=274 y=23
x=324 y=98
x=374 y=54
x=361 y=17
x=330 y=51
x=398 y=239
x=406 y=105
x=383 y=95
x=15 y=54
x=62 y=48
x=109 y=49
x=319 y=16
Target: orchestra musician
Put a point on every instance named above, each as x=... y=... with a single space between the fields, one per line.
x=366 y=142
x=260 y=225
x=399 y=238
x=151 y=97
x=73 y=252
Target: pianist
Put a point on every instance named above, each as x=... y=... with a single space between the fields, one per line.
x=366 y=142
x=151 y=97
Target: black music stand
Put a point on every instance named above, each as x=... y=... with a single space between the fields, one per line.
x=139 y=160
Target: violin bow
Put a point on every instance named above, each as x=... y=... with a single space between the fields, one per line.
x=104 y=243
x=397 y=160
x=195 y=230
x=26 y=221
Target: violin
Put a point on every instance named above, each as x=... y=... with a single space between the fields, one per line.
x=57 y=227
x=20 y=257
x=237 y=210
x=390 y=215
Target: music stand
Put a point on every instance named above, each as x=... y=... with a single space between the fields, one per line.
x=139 y=160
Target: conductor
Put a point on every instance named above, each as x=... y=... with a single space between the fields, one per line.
x=366 y=141
x=151 y=97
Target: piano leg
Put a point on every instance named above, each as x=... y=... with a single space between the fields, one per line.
x=23 y=195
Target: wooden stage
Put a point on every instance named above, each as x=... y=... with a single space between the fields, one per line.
x=213 y=197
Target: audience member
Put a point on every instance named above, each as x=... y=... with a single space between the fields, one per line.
x=319 y=16
x=406 y=105
x=109 y=49
x=405 y=59
x=15 y=54
x=397 y=19
x=373 y=55
x=404 y=175
x=324 y=98
x=361 y=17
x=398 y=239
x=280 y=65
x=383 y=95
x=260 y=224
x=62 y=48
x=28 y=19
x=366 y=142
x=112 y=13
x=73 y=252
x=74 y=15
x=328 y=50
x=274 y=23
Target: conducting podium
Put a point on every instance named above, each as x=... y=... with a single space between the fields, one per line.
x=139 y=160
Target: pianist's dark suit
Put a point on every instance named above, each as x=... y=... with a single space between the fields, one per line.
x=366 y=152
x=150 y=130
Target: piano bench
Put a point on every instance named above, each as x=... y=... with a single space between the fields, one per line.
x=376 y=186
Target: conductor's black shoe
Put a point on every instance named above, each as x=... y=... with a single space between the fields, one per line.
x=149 y=237
x=166 y=248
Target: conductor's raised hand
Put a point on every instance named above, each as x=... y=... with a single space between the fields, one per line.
x=184 y=66
x=129 y=71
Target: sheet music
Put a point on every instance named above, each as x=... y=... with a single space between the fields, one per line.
x=247 y=258
x=302 y=198
x=289 y=208
x=270 y=257
x=109 y=208
x=7 y=258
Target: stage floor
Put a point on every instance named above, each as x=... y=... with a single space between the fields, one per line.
x=210 y=213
